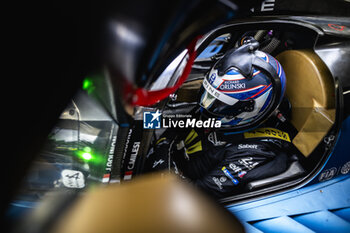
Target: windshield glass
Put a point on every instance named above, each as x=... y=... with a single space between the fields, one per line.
x=78 y=152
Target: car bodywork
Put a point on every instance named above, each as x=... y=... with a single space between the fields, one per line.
x=322 y=191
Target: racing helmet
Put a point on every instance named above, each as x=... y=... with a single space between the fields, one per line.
x=243 y=88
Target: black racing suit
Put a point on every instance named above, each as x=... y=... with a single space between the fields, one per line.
x=223 y=163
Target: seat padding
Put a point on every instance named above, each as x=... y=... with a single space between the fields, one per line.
x=310 y=89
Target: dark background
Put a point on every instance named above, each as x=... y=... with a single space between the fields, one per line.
x=48 y=47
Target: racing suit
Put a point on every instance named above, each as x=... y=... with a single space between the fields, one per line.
x=221 y=163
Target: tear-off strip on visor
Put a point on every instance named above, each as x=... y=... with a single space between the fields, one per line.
x=218 y=95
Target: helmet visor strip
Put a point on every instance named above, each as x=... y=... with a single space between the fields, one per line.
x=222 y=105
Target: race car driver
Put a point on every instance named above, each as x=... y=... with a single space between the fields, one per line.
x=245 y=91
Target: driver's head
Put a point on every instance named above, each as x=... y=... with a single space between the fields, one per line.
x=243 y=88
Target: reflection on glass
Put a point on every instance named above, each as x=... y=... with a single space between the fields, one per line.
x=78 y=153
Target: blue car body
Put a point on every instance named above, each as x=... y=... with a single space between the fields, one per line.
x=320 y=205
x=321 y=202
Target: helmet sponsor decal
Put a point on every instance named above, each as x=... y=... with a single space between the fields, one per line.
x=232 y=85
x=212 y=78
x=217 y=94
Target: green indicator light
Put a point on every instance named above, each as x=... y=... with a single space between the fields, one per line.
x=88 y=85
x=87 y=149
x=87 y=156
